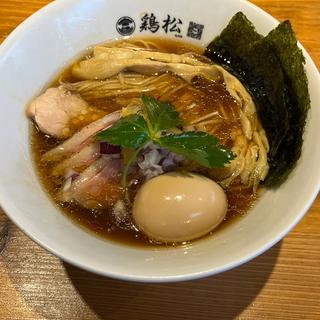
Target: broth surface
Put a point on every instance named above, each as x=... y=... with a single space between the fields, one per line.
x=208 y=98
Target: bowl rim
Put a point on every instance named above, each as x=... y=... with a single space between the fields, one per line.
x=8 y=43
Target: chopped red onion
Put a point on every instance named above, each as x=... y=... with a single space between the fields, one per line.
x=71 y=174
x=106 y=148
x=96 y=226
x=154 y=161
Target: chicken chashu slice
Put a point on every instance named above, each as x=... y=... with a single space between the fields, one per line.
x=97 y=186
x=54 y=110
x=81 y=138
x=139 y=53
x=107 y=62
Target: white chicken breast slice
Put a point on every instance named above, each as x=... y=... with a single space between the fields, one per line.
x=100 y=68
x=54 y=110
x=130 y=53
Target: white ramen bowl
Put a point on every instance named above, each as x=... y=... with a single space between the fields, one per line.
x=43 y=46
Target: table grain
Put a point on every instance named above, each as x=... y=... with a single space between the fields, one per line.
x=283 y=283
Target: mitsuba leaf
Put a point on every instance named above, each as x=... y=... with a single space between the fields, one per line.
x=161 y=115
x=199 y=147
x=128 y=132
x=134 y=131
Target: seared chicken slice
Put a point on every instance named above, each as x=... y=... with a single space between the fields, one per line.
x=82 y=138
x=81 y=159
x=97 y=186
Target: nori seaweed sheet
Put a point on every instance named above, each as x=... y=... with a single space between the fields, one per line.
x=272 y=70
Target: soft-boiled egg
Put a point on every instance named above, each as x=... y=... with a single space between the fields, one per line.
x=177 y=207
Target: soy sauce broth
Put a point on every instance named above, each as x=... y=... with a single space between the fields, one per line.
x=100 y=222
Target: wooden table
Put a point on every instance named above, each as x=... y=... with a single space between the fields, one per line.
x=283 y=283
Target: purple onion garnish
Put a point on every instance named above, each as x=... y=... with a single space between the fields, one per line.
x=106 y=148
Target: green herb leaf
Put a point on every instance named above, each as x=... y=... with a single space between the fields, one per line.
x=135 y=131
x=128 y=132
x=160 y=115
x=198 y=146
